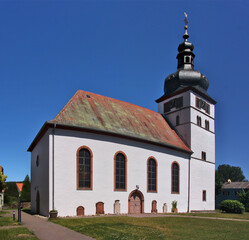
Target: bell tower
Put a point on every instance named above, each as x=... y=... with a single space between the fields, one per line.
x=189 y=110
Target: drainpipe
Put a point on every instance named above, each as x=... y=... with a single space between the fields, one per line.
x=189 y=182
x=53 y=168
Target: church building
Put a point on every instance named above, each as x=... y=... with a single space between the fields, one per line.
x=101 y=155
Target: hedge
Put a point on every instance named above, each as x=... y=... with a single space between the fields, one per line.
x=232 y=206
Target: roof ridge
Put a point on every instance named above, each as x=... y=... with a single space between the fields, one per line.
x=117 y=100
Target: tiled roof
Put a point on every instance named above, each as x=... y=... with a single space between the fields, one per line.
x=90 y=111
x=238 y=185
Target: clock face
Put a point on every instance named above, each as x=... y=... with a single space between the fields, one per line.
x=174 y=103
x=202 y=105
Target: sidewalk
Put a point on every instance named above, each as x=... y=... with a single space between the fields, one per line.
x=45 y=230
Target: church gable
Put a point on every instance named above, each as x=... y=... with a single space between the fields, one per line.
x=95 y=112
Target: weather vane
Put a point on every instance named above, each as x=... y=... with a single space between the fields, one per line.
x=186 y=18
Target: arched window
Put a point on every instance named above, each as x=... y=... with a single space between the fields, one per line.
x=84 y=168
x=177 y=120
x=175 y=178
x=199 y=121
x=120 y=169
x=152 y=175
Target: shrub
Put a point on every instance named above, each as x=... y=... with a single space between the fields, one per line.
x=174 y=206
x=232 y=206
x=244 y=198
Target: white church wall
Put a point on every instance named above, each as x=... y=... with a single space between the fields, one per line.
x=40 y=176
x=202 y=141
x=202 y=178
x=68 y=198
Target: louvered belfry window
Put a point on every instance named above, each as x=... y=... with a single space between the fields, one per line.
x=152 y=175
x=120 y=171
x=84 y=168
x=175 y=178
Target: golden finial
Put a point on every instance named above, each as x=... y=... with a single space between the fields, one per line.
x=186 y=20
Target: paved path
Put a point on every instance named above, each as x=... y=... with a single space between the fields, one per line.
x=45 y=230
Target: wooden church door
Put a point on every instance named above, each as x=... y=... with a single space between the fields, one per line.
x=135 y=204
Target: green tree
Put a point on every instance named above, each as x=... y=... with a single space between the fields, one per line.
x=218 y=183
x=2 y=182
x=226 y=172
x=244 y=198
x=25 y=195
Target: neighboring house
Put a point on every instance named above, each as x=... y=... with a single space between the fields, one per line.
x=230 y=190
x=101 y=155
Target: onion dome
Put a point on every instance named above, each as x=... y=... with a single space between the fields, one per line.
x=185 y=76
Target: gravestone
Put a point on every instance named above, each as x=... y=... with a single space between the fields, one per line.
x=164 y=207
x=116 y=207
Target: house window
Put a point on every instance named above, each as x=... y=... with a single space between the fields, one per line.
x=203 y=155
x=84 y=168
x=120 y=171
x=175 y=178
x=206 y=124
x=204 y=196
x=199 y=121
x=226 y=193
x=177 y=120
x=152 y=175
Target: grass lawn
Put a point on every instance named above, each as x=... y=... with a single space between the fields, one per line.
x=126 y=228
x=7 y=221
x=17 y=233
x=220 y=215
x=4 y=212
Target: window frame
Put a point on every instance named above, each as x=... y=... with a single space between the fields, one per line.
x=120 y=189
x=153 y=158
x=207 y=125
x=199 y=122
x=203 y=156
x=204 y=195
x=173 y=192
x=91 y=169
x=177 y=120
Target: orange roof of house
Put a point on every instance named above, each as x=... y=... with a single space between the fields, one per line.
x=90 y=111
x=19 y=186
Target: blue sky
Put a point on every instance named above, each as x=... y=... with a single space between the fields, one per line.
x=119 y=49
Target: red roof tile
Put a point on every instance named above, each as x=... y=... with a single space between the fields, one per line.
x=92 y=111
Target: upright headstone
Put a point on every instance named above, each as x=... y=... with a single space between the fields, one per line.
x=164 y=207
x=116 y=207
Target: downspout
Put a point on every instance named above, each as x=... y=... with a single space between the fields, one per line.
x=189 y=183
x=53 y=168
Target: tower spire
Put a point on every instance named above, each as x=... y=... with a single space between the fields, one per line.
x=186 y=36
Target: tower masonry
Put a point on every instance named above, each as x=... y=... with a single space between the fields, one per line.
x=191 y=113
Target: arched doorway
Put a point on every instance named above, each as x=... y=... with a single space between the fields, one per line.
x=136 y=202
x=100 y=208
x=37 y=202
x=154 y=207
x=80 y=211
